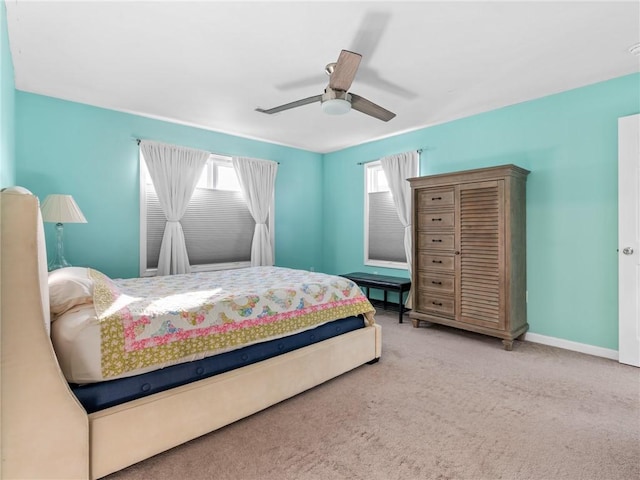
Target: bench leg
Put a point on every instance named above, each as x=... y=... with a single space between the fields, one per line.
x=401 y=302
x=385 y=300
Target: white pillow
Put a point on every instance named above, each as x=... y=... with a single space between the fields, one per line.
x=69 y=287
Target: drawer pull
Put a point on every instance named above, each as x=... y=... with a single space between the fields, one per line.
x=436 y=283
x=436 y=198
x=436 y=219
x=439 y=304
x=437 y=240
x=436 y=261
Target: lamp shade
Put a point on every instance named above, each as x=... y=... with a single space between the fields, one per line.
x=61 y=209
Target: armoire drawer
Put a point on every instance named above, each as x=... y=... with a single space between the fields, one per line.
x=436 y=261
x=436 y=241
x=436 y=220
x=440 y=283
x=433 y=302
x=436 y=198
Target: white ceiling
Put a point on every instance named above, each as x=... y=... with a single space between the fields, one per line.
x=210 y=64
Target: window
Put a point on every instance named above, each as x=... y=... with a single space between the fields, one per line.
x=217 y=225
x=218 y=174
x=384 y=234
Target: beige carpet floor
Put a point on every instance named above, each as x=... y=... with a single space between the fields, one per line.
x=440 y=404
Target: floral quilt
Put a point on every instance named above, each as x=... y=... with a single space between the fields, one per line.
x=170 y=319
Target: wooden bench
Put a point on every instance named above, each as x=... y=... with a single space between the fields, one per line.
x=385 y=283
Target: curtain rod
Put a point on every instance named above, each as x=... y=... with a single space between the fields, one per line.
x=138 y=140
x=420 y=150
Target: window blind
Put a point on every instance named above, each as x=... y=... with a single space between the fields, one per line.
x=217 y=225
x=386 y=233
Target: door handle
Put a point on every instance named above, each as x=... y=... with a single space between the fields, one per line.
x=627 y=251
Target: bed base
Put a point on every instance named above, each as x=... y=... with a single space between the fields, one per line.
x=153 y=425
x=45 y=431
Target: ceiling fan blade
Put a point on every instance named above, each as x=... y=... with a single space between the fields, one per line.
x=371 y=30
x=309 y=81
x=345 y=70
x=365 y=106
x=287 y=106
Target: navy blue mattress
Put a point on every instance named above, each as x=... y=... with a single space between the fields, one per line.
x=98 y=396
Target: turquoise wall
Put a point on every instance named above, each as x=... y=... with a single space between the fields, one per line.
x=7 y=106
x=90 y=153
x=569 y=143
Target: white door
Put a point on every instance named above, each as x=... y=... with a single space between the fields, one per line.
x=629 y=239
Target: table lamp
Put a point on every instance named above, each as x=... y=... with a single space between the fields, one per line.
x=60 y=209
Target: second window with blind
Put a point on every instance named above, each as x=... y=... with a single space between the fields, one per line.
x=217 y=225
x=383 y=233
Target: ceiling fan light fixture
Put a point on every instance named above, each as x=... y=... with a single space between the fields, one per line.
x=336 y=102
x=336 y=106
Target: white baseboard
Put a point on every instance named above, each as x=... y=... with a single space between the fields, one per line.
x=569 y=345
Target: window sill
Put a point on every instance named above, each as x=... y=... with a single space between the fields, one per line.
x=212 y=267
x=386 y=264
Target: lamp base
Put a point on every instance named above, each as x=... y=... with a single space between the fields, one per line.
x=59 y=261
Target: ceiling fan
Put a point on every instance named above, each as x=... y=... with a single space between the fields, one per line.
x=336 y=100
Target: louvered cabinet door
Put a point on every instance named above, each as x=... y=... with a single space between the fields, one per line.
x=480 y=232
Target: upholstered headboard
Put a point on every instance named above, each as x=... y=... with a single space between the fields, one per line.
x=43 y=426
x=42 y=257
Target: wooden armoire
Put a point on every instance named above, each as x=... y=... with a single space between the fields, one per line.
x=469 y=251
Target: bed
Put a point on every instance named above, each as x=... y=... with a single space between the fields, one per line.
x=48 y=433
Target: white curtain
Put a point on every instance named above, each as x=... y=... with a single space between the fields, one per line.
x=175 y=172
x=397 y=168
x=257 y=180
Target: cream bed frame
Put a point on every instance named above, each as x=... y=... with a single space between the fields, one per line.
x=46 y=433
